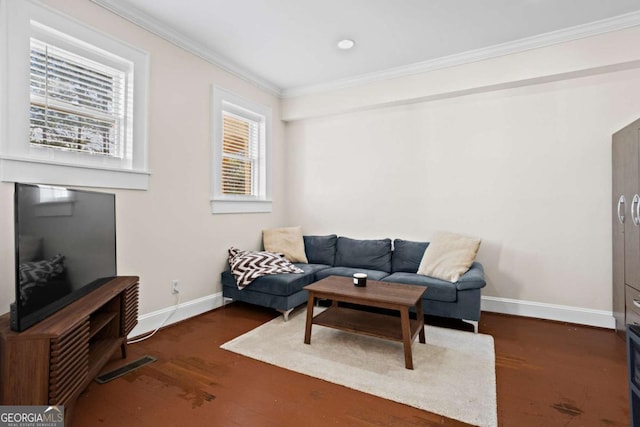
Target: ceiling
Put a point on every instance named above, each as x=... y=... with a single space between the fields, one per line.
x=290 y=45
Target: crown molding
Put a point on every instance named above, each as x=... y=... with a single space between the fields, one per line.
x=547 y=39
x=162 y=30
x=145 y=21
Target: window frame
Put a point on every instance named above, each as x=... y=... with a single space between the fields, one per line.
x=224 y=100
x=21 y=161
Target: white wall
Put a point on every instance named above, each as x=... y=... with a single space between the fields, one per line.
x=527 y=169
x=168 y=232
x=606 y=52
x=520 y=163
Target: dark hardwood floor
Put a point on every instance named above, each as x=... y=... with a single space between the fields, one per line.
x=548 y=374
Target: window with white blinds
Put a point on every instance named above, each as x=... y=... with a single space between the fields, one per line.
x=76 y=104
x=241 y=139
x=240 y=155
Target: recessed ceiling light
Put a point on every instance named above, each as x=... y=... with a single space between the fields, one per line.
x=346 y=44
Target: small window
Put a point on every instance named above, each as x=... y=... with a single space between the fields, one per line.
x=241 y=155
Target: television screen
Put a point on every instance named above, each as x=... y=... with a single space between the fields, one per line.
x=65 y=248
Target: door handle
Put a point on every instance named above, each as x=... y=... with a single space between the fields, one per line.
x=621 y=203
x=635 y=205
x=636 y=302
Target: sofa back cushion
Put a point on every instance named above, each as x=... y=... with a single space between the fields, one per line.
x=287 y=241
x=321 y=249
x=449 y=256
x=366 y=254
x=407 y=255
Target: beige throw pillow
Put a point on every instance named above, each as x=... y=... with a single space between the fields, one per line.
x=287 y=241
x=448 y=256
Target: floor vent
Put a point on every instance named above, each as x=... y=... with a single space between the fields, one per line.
x=123 y=370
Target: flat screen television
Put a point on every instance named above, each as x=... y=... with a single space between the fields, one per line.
x=65 y=242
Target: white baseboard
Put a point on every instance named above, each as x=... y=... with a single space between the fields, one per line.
x=563 y=313
x=150 y=321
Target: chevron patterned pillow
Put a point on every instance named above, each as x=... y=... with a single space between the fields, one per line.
x=246 y=266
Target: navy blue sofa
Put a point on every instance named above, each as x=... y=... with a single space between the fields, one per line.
x=342 y=256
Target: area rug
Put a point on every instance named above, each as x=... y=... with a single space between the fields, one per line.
x=453 y=375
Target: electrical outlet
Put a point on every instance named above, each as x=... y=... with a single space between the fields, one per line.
x=175 y=287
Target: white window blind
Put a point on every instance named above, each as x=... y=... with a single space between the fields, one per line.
x=240 y=155
x=77 y=104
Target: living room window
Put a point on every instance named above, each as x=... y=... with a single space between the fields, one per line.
x=241 y=130
x=240 y=170
x=86 y=97
x=76 y=104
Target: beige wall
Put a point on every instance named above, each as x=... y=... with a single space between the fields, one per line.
x=518 y=155
x=526 y=169
x=168 y=232
x=611 y=51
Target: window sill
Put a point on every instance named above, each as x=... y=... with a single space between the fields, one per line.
x=13 y=169
x=219 y=206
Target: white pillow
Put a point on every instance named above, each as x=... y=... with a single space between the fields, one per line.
x=448 y=256
x=287 y=241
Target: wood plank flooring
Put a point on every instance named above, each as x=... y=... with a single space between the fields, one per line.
x=548 y=374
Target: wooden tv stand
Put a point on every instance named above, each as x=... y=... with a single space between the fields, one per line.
x=54 y=360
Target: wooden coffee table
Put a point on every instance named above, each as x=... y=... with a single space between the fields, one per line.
x=394 y=296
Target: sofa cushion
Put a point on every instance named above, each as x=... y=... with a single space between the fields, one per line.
x=349 y=272
x=321 y=249
x=279 y=284
x=437 y=290
x=472 y=279
x=365 y=254
x=287 y=241
x=449 y=256
x=407 y=255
